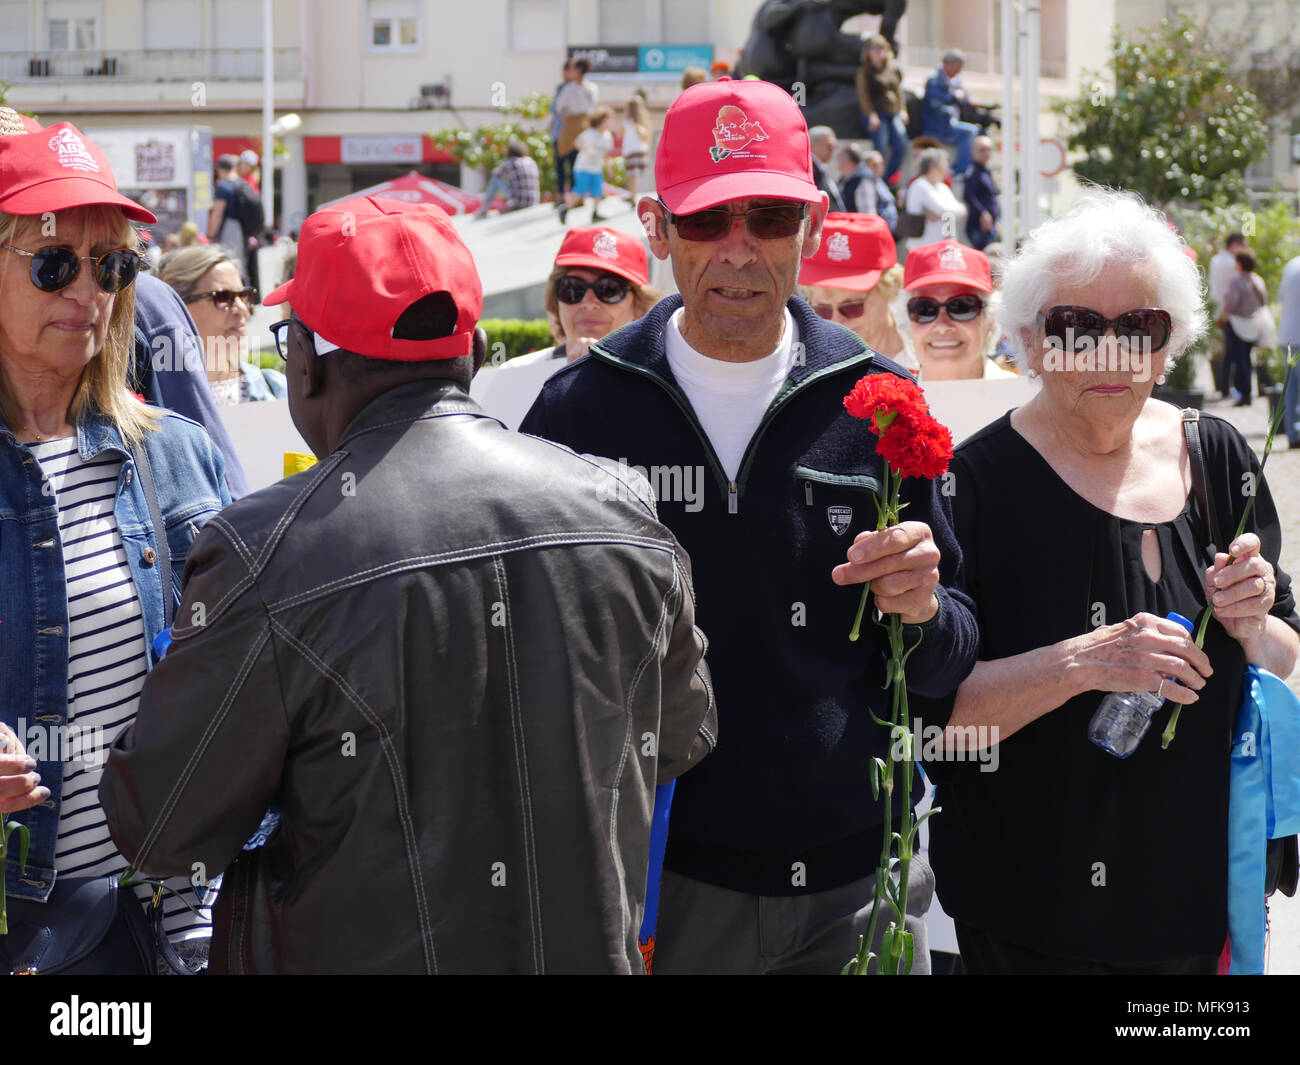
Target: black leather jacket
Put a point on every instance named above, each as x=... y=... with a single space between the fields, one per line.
x=458 y=660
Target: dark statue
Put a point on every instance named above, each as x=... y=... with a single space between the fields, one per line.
x=799 y=41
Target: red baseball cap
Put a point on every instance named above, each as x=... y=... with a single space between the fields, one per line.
x=57 y=168
x=947 y=262
x=732 y=140
x=362 y=262
x=854 y=251
x=601 y=248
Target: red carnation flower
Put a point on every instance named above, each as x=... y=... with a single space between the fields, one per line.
x=879 y=398
x=917 y=447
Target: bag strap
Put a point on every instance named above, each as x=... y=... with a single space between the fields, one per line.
x=1200 y=482
x=145 y=472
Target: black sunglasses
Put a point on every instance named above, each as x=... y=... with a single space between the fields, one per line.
x=570 y=289
x=776 y=222
x=225 y=297
x=1068 y=326
x=56 y=268
x=279 y=330
x=924 y=310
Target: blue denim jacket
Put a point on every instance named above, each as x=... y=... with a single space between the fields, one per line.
x=190 y=481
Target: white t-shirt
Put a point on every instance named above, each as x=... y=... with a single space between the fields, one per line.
x=729 y=398
x=632 y=141
x=593 y=145
x=1223 y=268
x=577 y=98
x=508 y=392
x=939 y=199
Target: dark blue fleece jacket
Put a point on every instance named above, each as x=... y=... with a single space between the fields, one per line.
x=789 y=781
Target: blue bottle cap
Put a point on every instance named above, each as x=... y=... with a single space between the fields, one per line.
x=1171 y=616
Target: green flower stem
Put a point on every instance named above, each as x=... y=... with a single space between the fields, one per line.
x=893 y=959
x=1292 y=358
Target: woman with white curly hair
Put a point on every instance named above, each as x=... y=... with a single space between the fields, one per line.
x=1081 y=529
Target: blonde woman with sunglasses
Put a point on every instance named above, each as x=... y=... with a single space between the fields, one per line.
x=88 y=476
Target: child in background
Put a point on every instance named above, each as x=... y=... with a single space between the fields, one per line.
x=594 y=144
x=636 y=141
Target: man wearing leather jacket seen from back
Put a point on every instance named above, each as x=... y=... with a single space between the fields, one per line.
x=456 y=660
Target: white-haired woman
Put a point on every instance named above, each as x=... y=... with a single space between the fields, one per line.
x=84 y=468
x=1081 y=531
x=209 y=280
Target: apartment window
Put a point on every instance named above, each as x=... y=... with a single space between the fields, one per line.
x=537 y=25
x=394 y=25
x=1260 y=24
x=72 y=26
x=173 y=24
x=654 y=21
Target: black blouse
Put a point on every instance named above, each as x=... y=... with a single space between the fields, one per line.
x=1065 y=848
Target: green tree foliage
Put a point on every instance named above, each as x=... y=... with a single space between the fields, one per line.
x=484 y=148
x=1176 y=126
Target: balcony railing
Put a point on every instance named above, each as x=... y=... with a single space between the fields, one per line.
x=149 y=65
x=978 y=62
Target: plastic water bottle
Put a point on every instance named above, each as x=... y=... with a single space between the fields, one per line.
x=1124 y=717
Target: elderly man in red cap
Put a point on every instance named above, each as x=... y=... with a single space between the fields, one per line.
x=774 y=839
x=452 y=661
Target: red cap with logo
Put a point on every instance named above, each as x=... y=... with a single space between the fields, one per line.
x=731 y=140
x=855 y=250
x=947 y=262
x=363 y=262
x=55 y=169
x=601 y=248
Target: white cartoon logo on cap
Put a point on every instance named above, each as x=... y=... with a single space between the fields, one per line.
x=951 y=258
x=837 y=247
x=72 y=152
x=605 y=246
x=732 y=131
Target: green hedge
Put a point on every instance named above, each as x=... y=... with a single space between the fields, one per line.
x=517 y=336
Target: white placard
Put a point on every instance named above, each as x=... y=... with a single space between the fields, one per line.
x=965 y=407
x=262 y=433
x=381 y=149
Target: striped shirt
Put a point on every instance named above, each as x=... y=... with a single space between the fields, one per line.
x=107 y=664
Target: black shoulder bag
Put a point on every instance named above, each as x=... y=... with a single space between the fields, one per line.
x=1282 y=868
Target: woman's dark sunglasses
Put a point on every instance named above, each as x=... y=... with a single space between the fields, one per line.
x=924 y=310
x=56 y=268
x=1067 y=326
x=225 y=298
x=852 y=309
x=570 y=289
x=766 y=223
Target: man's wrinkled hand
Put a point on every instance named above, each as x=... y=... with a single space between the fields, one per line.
x=902 y=564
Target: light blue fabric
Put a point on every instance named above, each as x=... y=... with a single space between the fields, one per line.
x=1263 y=804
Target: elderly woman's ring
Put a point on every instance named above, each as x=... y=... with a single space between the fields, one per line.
x=1160 y=690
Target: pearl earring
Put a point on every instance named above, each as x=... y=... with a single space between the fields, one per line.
x=1160 y=379
x=1031 y=373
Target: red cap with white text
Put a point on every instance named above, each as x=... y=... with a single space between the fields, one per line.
x=947 y=262
x=855 y=250
x=732 y=140
x=58 y=168
x=602 y=248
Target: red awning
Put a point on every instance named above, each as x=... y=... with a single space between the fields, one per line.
x=416 y=188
